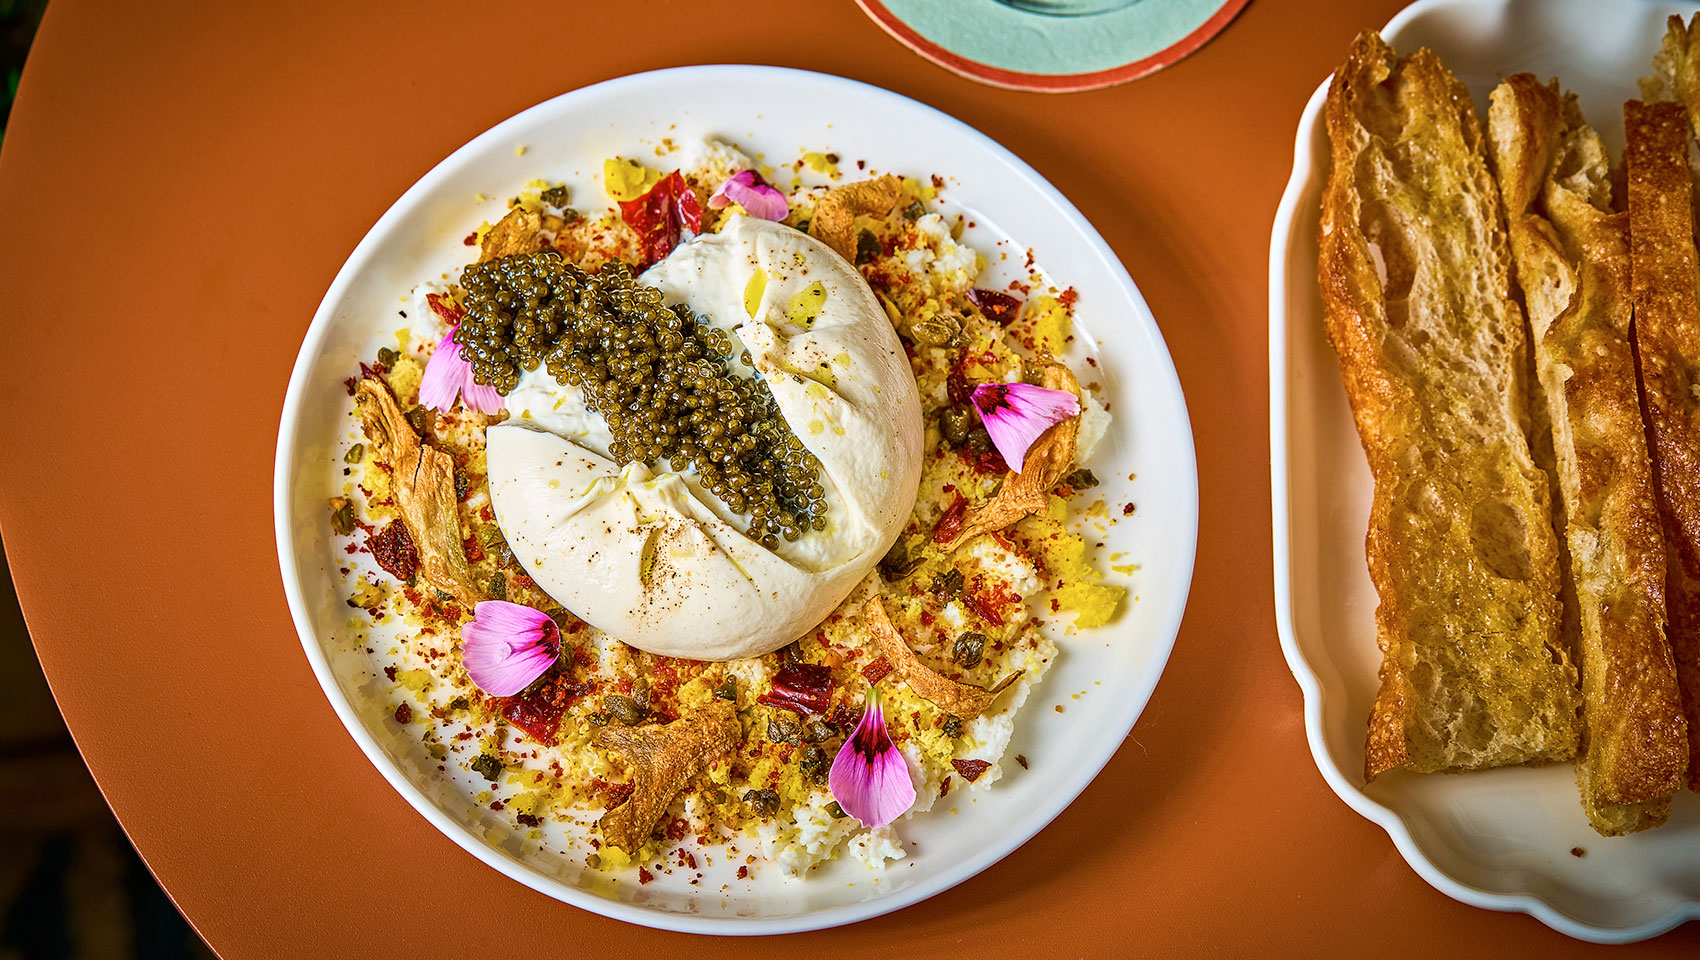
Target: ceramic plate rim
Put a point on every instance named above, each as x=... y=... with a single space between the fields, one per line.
x=1170 y=616
x=1309 y=682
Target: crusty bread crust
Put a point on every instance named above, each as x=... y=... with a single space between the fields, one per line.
x=1416 y=281
x=1676 y=68
x=1572 y=256
x=1667 y=346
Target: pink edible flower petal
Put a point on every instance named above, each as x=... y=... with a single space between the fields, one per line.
x=507 y=646
x=747 y=189
x=1015 y=414
x=447 y=376
x=869 y=777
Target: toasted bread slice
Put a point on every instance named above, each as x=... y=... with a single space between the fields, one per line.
x=1676 y=68
x=1572 y=257
x=1416 y=282
x=1666 y=334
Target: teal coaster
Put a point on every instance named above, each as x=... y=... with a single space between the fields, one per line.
x=1053 y=45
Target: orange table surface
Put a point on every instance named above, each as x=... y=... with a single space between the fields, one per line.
x=179 y=185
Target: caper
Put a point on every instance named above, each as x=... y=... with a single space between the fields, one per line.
x=763 y=802
x=387 y=357
x=939 y=331
x=728 y=689
x=783 y=727
x=953 y=726
x=624 y=709
x=957 y=423
x=355 y=454
x=969 y=649
x=898 y=563
x=947 y=585
x=867 y=246
x=914 y=211
x=835 y=811
x=1081 y=479
x=816 y=730
x=498 y=587
x=978 y=440
x=815 y=764
x=419 y=419
x=556 y=196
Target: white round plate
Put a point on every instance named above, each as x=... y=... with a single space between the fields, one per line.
x=1500 y=839
x=776 y=113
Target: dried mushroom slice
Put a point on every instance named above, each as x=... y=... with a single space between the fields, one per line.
x=514 y=233
x=958 y=699
x=423 y=478
x=1049 y=460
x=834 y=220
x=664 y=757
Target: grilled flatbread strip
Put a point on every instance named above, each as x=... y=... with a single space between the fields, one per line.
x=1572 y=255
x=1416 y=282
x=1667 y=346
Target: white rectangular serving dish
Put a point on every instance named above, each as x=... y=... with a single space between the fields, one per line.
x=1509 y=839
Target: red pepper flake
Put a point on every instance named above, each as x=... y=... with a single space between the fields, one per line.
x=743 y=873
x=985 y=462
x=1000 y=308
x=1067 y=297
x=970 y=769
x=802 y=688
x=496 y=804
x=678 y=828
x=660 y=216
x=957 y=387
x=613 y=794
x=390 y=672
x=877 y=670
x=1021 y=760
x=403 y=713
x=471 y=238
x=989 y=602
x=447 y=310
x=394 y=551
x=644 y=876
x=526 y=819
x=844 y=718
x=950 y=524
x=944 y=788
x=1127 y=509
x=473 y=550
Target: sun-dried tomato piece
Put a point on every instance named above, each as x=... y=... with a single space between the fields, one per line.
x=877 y=670
x=950 y=524
x=803 y=688
x=660 y=216
x=1000 y=308
x=394 y=551
x=970 y=769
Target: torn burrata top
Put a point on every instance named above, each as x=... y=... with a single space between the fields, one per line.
x=651 y=557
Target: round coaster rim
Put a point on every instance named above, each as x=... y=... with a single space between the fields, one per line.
x=1047 y=82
